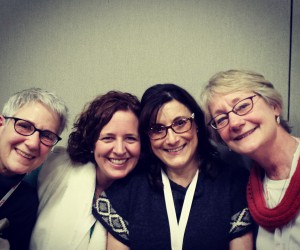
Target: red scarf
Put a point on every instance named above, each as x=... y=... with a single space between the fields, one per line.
x=284 y=212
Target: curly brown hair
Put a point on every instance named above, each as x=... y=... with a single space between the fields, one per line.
x=93 y=118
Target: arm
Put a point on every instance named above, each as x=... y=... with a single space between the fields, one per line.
x=113 y=243
x=244 y=242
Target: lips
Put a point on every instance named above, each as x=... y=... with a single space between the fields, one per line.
x=25 y=155
x=174 y=150
x=240 y=137
x=118 y=161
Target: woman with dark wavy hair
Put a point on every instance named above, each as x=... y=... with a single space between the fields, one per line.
x=186 y=198
x=103 y=147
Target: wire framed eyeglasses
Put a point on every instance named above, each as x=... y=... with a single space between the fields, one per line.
x=241 y=108
x=26 y=128
x=180 y=126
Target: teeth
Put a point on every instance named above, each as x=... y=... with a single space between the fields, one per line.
x=118 y=161
x=175 y=149
x=28 y=156
x=244 y=135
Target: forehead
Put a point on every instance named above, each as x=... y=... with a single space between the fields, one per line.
x=221 y=102
x=171 y=110
x=40 y=115
x=121 y=121
x=230 y=99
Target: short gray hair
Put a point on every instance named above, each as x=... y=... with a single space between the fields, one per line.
x=31 y=95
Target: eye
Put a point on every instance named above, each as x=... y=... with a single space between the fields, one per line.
x=241 y=107
x=180 y=123
x=49 y=136
x=132 y=139
x=157 y=129
x=220 y=119
x=25 y=126
x=107 y=139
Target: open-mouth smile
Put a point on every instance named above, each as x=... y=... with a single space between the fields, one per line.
x=240 y=137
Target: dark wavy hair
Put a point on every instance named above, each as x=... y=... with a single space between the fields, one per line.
x=152 y=100
x=93 y=118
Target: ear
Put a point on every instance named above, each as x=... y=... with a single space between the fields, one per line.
x=277 y=110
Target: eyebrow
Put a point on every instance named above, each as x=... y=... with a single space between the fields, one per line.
x=175 y=119
x=232 y=103
x=113 y=134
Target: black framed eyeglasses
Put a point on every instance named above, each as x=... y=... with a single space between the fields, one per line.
x=26 y=128
x=180 y=126
x=241 y=108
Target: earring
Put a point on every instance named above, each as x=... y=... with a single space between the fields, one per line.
x=278 y=119
x=92 y=151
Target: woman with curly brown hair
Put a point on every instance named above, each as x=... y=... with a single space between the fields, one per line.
x=104 y=146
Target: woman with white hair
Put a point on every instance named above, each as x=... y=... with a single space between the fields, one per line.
x=244 y=111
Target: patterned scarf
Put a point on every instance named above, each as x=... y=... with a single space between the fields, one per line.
x=284 y=212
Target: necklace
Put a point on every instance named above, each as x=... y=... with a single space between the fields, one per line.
x=286 y=210
x=274 y=190
x=9 y=193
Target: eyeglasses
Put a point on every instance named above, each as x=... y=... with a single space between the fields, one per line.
x=241 y=108
x=26 y=128
x=180 y=126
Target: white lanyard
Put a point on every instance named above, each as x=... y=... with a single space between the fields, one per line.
x=177 y=230
x=9 y=193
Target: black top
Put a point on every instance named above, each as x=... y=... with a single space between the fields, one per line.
x=136 y=214
x=20 y=209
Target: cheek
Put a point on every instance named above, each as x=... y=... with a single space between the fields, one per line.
x=155 y=145
x=14 y=139
x=223 y=133
x=99 y=151
x=134 y=149
x=44 y=151
x=98 y=158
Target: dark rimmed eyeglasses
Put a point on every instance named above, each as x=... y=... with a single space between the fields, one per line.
x=241 y=108
x=26 y=128
x=180 y=126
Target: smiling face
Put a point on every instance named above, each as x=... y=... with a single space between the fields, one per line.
x=118 y=149
x=21 y=154
x=248 y=133
x=176 y=151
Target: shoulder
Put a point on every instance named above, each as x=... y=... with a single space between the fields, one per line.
x=57 y=166
x=59 y=172
x=116 y=204
x=137 y=178
x=231 y=169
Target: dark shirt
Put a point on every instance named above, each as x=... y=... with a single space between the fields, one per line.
x=136 y=214
x=20 y=209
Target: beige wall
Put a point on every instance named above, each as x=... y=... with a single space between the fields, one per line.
x=295 y=71
x=83 y=48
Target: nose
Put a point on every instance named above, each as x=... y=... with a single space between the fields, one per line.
x=33 y=141
x=171 y=136
x=235 y=121
x=119 y=147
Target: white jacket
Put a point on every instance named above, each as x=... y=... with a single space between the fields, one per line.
x=65 y=217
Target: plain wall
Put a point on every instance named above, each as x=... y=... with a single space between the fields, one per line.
x=80 y=49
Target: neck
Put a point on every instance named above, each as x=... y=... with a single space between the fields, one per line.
x=277 y=158
x=182 y=177
x=102 y=182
